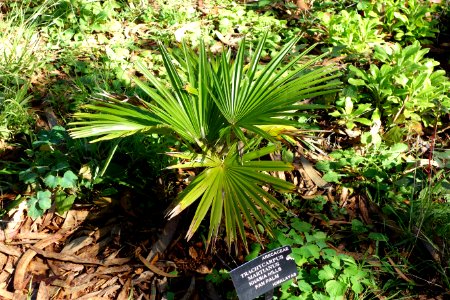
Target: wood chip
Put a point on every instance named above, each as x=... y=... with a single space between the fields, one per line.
x=73 y=218
x=111 y=270
x=21 y=269
x=42 y=293
x=9 y=250
x=94 y=250
x=79 y=260
x=32 y=236
x=125 y=291
x=4 y=294
x=76 y=244
x=3 y=260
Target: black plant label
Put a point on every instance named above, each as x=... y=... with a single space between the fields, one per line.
x=264 y=273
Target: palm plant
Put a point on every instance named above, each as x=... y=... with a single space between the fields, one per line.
x=220 y=107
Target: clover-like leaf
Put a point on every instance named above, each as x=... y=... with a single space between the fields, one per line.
x=69 y=180
x=51 y=181
x=38 y=204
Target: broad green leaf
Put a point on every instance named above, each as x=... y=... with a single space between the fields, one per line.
x=304 y=286
x=398 y=148
x=69 y=180
x=52 y=181
x=63 y=202
x=44 y=199
x=301 y=226
x=310 y=251
x=39 y=203
x=34 y=211
x=331 y=176
x=364 y=121
x=336 y=288
x=299 y=256
x=327 y=273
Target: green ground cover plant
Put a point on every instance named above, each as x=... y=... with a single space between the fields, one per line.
x=406 y=87
x=50 y=173
x=405 y=22
x=351 y=32
x=323 y=273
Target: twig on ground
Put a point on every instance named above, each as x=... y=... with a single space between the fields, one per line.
x=152 y=268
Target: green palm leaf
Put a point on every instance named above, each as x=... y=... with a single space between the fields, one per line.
x=230 y=187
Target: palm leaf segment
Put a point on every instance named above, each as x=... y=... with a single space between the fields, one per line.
x=230 y=188
x=213 y=104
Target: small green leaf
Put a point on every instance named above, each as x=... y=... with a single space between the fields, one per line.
x=356 y=82
x=69 y=180
x=297 y=238
x=335 y=288
x=288 y=156
x=310 y=251
x=357 y=287
x=63 y=202
x=38 y=204
x=399 y=148
x=301 y=226
x=378 y=237
x=327 y=273
x=364 y=121
x=298 y=255
x=358 y=226
x=394 y=135
x=44 y=199
x=331 y=176
x=304 y=286
x=51 y=181
x=34 y=211
x=256 y=249
x=28 y=176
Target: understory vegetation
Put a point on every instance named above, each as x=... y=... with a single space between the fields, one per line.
x=322 y=125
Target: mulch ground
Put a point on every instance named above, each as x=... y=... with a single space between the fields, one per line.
x=92 y=253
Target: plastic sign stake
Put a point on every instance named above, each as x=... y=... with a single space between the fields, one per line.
x=264 y=273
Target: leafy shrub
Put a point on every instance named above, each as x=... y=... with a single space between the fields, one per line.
x=376 y=169
x=404 y=21
x=406 y=87
x=351 y=32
